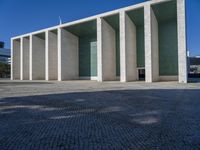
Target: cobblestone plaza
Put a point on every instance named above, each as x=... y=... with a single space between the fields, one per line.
x=86 y=115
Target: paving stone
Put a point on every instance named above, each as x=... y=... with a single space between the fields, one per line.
x=107 y=117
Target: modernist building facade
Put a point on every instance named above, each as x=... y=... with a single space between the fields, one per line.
x=149 y=37
x=4 y=54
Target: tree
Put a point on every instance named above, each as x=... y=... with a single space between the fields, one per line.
x=4 y=70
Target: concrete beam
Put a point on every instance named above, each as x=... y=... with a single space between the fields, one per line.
x=16 y=60
x=38 y=58
x=68 y=57
x=128 y=49
x=25 y=52
x=106 y=51
x=151 y=45
x=51 y=56
x=182 y=52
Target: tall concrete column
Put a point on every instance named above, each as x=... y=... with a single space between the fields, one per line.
x=151 y=45
x=51 y=56
x=21 y=59
x=47 y=55
x=25 y=52
x=16 y=59
x=37 y=58
x=31 y=58
x=11 y=65
x=128 y=49
x=106 y=51
x=68 y=56
x=182 y=52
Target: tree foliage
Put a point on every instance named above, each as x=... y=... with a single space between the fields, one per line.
x=4 y=69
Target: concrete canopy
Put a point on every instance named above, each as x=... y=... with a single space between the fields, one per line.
x=83 y=29
x=165 y=11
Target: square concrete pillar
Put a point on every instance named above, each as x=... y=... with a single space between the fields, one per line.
x=182 y=52
x=37 y=57
x=11 y=65
x=30 y=58
x=21 y=59
x=68 y=57
x=25 y=53
x=128 y=49
x=16 y=59
x=151 y=45
x=51 y=55
x=106 y=51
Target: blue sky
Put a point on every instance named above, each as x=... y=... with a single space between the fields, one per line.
x=22 y=16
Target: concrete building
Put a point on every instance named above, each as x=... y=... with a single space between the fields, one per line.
x=146 y=40
x=194 y=65
x=4 y=54
x=4 y=61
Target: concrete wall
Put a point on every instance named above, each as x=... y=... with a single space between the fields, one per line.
x=67 y=56
x=168 y=48
x=140 y=47
x=151 y=45
x=16 y=60
x=88 y=56
x=38 y=58
x=168 y=78
x=182 y=53
x=117 y=53
x=25 y=75
x=51 y=56
x=128 y=49
x=106 y=51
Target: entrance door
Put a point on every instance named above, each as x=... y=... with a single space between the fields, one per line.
x=141 y=74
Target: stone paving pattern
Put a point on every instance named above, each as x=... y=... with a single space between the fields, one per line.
x=99 y=116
